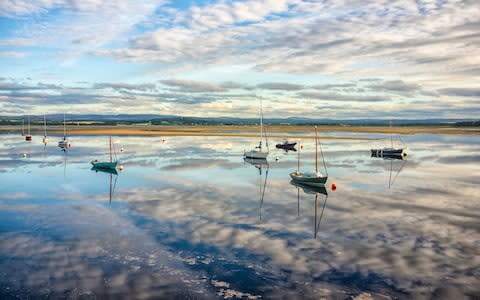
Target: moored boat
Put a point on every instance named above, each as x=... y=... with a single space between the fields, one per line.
x=110 y=165
x=311 y=178
x=258 y=152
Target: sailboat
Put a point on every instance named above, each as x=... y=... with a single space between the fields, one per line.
x=45 y=138
x=64 y=143
x=257 y=152
x=389 y=151
x=311 y=178
x=28 y=137
x=108 y=165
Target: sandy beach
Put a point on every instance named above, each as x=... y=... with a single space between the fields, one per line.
x=281 y=131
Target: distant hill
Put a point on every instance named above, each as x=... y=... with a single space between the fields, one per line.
x=132 y=119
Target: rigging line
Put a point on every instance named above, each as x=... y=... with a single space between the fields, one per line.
x=263 y=125
x=323 y=158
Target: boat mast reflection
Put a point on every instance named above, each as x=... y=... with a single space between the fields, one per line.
x=111 y=173
x=316 y=191
x=260 y=164
x=398 y=160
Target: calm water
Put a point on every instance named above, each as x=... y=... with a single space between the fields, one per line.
x=188 y=218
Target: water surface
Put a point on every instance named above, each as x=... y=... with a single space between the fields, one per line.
x=188 y=218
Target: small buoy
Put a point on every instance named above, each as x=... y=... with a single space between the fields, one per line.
x=334 y=186
x=24 y=154
x=301 y=147
x=121 y=167
x=277 y=158
x=122 y=149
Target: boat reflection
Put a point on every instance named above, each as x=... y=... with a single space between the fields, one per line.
x=111 y=173
x=258 y=163
x=311 y=190
x=392 y=160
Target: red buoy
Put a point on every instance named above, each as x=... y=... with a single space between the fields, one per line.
x=334 y=186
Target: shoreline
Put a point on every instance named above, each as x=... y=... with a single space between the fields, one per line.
x=279 y=131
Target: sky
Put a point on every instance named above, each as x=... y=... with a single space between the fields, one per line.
x=318 y=59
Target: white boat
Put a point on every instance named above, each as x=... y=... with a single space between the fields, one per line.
x=64 y=143
x=257 y=152
x=311 y=178
x=45 y=138
x=109 y=165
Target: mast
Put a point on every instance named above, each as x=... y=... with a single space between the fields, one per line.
x=28 y=125
x=315 y=221
x=45 y=124
x=261 y=124
x=298 y=159
x=316 y=151
x=110 y=149
x=391 y=135
x=23 y=126
x=64 y=128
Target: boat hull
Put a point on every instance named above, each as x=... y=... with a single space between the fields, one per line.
x=105 y=170
x=64 y=144
x=288 y=146
x=104 y=165
x=256 y=155
x=388 y=152
x=309 y=180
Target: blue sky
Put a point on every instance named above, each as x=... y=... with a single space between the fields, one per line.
x=335 y=59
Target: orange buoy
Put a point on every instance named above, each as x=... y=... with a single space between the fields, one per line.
x=334 y=186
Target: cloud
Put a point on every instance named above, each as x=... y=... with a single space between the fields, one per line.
x=14 y=54
x=460 y=92
x=193 y=86
x=280 y=86
x=396 y=86
x=126 y=86
x=343 y=97
x=15 y=86
x=332 y=86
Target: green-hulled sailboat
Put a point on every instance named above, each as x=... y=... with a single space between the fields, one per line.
x=111 y=165
x=311 y=178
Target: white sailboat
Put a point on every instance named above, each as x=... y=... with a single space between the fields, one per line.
x=45 y=138
x=64 y=143
x=257 y=152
